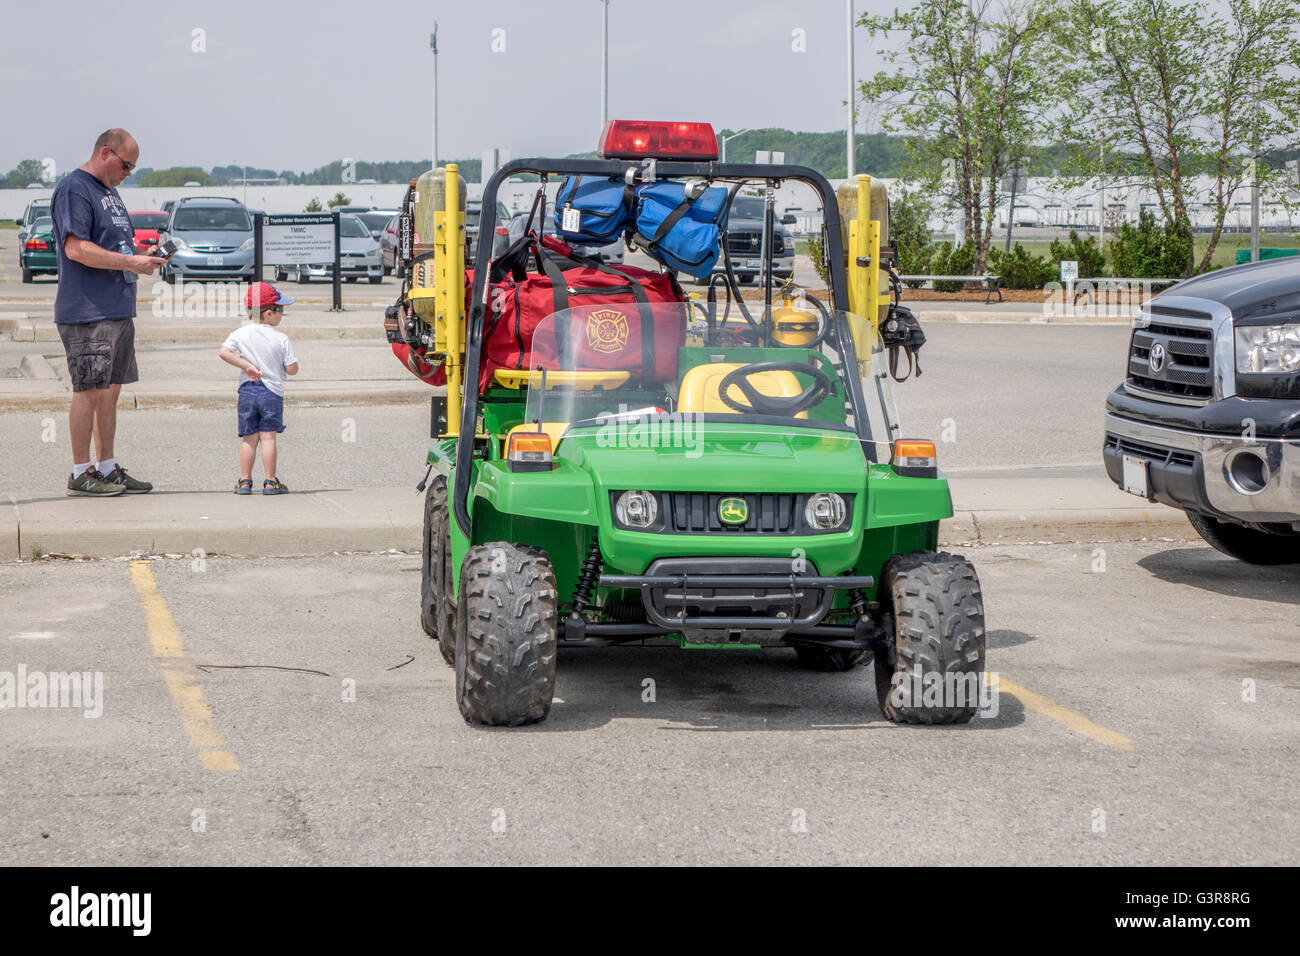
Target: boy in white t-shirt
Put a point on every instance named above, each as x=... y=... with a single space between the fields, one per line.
x=264 y=355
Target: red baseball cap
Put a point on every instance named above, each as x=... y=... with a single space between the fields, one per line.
x=262 y=294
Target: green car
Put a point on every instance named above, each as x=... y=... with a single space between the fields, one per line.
x=759 y=494
x=38 y=256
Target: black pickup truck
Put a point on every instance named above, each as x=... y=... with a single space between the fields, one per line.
x=1208 y=416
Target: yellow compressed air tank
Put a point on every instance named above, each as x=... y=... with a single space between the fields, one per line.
x=430 y=199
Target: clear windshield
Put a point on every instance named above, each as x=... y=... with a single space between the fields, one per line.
x=350 y=227
x=212 y=219
x=798 y=369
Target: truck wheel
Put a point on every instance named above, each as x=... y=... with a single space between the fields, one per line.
x=937 y=613
x=814 y=658
x=1246 y=544
x=437 y=616
x=505 y=635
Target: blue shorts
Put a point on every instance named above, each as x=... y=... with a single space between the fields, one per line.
x=260 y=409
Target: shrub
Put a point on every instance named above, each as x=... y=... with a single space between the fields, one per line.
x=1151 y=250
x=1085 y=251
x=954 y=262
x=1021 y=270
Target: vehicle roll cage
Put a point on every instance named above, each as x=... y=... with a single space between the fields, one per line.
x=643 y=170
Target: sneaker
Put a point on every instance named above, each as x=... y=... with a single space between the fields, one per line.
x=91 y=484
x=132 y=486
x=244 y=487
x=274 y=486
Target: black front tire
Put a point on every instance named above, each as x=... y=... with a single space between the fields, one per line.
x=303 y=277
x=505 y=635
x=1246 y=544
x=936 y=610
x=437 y=613
x=814 y=658
x=375 y=280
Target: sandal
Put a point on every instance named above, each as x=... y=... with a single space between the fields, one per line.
x=244 y=486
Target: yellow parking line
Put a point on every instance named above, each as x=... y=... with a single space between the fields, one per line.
x=1076 y=722
x=185 y=692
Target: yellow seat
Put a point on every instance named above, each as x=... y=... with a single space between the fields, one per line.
x=520 y=378
x=699 y=390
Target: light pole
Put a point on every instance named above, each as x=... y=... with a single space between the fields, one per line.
x=732 y=136
x=433 y=45
x=604 y=63
x=852 y=167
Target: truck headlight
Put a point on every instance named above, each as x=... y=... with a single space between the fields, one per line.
x=636 y=509
x=246 y=244
x=825 y=511
x=1268 y=348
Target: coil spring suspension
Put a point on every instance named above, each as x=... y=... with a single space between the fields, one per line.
x=587 y=577
x=857 y=601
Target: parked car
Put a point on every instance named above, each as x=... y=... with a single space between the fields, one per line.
x=514 y=229
x=359 y=255
x=148 y=225
x=214 y=239
x=35 y=210
x=388 y=246
x=38 y=254
x=1207 y=418
x=376 y=219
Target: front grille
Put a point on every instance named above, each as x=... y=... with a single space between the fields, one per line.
x=1154 y=453
x=1185 y=367
x=691 y=512
x=751 y=244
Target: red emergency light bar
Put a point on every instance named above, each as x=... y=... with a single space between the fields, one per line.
x=640 y=139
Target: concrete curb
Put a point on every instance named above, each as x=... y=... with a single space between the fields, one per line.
x=377 y=519
x=219 y=396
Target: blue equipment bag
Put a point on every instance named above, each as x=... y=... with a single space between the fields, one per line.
x=592 y=210
x=680 y=226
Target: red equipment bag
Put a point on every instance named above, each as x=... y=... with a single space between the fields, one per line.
x=643 y=341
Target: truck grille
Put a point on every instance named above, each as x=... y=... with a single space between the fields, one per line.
x=1182 y=368
x=1166 y=456
x=751 y=243
x=697 y=513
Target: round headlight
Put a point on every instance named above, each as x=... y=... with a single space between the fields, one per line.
x=637 y=509
x=825 y=511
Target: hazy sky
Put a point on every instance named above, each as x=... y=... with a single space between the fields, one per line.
x=294 y=85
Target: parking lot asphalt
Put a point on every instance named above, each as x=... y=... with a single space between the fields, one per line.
x=290 y=711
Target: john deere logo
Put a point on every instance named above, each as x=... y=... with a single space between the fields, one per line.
x=607 y=331
x=733 y=510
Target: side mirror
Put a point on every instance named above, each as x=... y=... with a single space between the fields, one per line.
x=788 y=219
x=18 y=222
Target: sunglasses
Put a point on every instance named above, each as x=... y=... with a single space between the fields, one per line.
x=126 y=167
x=273 y=308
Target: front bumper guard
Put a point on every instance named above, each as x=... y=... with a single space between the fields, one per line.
x=660 y=591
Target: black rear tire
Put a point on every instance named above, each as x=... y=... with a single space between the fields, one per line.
x=437 y=612
x=505 y=635
x=936 y=612
x=1246 y=544
x=27 y=274
x=375 y=280
x=815 y=658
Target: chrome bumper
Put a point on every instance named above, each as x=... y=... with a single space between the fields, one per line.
x=1275 y=497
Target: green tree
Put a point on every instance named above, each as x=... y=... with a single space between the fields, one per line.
x=1188 y=89
x=1151 y=249
x=313 y=206
x=967 y=83
x=175 y=176
x=340 y=200
x=26 y=172
x=908 y=226
x=1087 y=252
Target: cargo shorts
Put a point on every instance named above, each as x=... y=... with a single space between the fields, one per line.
x=100 y=353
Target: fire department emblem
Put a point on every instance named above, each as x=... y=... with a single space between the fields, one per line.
x=607 y=331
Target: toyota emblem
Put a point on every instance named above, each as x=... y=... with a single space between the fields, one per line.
x=1157 y=357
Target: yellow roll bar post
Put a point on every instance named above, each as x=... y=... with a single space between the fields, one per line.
x=865 y=298
x=449 y=294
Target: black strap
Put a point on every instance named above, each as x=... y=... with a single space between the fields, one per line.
x=670 y=220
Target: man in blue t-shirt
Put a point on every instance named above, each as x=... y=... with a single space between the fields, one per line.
x=94 y=309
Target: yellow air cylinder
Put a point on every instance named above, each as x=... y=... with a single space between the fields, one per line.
x=430 y=199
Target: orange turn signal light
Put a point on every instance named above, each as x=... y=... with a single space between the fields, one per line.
x=529 y=451
x=916 y=459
